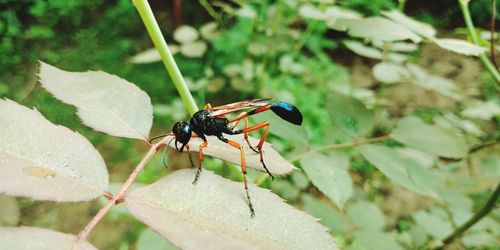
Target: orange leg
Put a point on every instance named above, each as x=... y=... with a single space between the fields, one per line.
x=207 y=106
x=204 y=144
x=245 y=135
x=244 y=171
x=261 y=142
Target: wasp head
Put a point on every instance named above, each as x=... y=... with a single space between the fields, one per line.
x=182 y=132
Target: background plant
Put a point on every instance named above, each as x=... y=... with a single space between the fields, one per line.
x=417 y=187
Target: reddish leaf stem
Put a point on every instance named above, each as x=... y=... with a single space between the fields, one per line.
x=82 y=236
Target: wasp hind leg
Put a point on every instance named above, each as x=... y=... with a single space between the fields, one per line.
x=243 y=116
x=244 y=172
x=261 y=142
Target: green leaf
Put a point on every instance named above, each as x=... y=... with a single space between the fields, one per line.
x=300 y=179
x=285 y=189
x=367 y=215
x=9 y=211
x=329 y=174
x=481 y=240
x=435 y=140
x=329 y=216
x=434 y=225
x=490 y=165
x=151 y=240
x=349 y=114
x=373 y=239
x=404 y=171
x=282 y=128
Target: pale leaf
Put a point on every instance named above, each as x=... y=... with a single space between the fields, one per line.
x=105 y=102
x=374 y=53
x=329 y=174
x=459 y=46
x=276 y=164
x=482 y=110
x=151 y=55
x=420 y=28
x=44 y=161
x=185 y=34
x=194 y=49
x=30 y=238
x=390 y=73
x=379 y=28
x=310 y=11
x=213 y=214
x=209 y=30
x=395 y=46
x=439 y=84
x=246 y=11
x=363 y=50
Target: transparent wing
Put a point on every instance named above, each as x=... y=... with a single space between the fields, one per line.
x=233 y=107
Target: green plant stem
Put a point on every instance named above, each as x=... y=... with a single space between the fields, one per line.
x=401 y=5
x=485 y=210
x=305 y=36
x=464 y=7
x=492 y=32
x=211 y=11
x=343 y=145
x=154 y=31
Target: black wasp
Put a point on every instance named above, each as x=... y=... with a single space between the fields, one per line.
x=212 y=121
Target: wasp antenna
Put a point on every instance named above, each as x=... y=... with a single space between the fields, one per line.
x=157 y=137
x=164 y=151
x=189 y=154
x=163 y=158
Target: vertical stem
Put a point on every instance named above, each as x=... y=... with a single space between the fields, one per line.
x=492 y=32
x=401 y=5
x=464 y=7
x=490 y=204
x=154 y=31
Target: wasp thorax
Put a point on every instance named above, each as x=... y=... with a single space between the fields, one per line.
x=182 y=132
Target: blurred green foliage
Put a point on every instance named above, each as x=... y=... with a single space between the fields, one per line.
x=272 y=51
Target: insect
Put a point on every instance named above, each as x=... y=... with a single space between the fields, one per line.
x=212 y=121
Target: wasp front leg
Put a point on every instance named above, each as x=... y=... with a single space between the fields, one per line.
x=261 y=142
x=203 y=145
